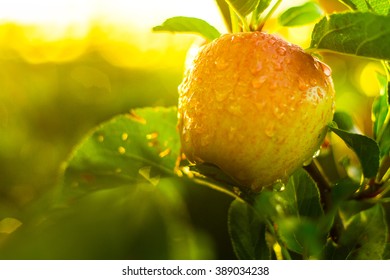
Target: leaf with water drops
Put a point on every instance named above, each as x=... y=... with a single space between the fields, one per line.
x=301 y=15
x=380 y=7
x=189 y=25
x=365 y=148
x=141 y=146
x=356 y=33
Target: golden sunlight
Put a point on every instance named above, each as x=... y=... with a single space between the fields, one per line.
x=58 y=31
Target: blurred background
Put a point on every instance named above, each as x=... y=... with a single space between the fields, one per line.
x=66 y=66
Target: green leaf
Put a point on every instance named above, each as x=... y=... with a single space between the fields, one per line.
x=224 y=9
x=301 y=236
x=301 y=15
x=343 y=190
x=380 y=111
x=247 y=232
x=189 y=25
x=302 y=196
x=380 y=7
x=356 y=33
x=344 y=120
x=138 y=147
x=263 y=5
x=365 y=235
x=243 y=7
x=365 y=148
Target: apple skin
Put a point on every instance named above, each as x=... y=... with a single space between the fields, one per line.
x=254 y=105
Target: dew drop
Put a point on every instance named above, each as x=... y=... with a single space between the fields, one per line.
x=100 y=138
x=151 y=136
x=282 y=51
x=258 y=81
x=317 y=153
x=231 y=134
x=278 y=113
x=220 y=95
x=278 y=186
x=326 y=69
x=260 y=105
x=320 y=92
x=186 y=137
x=278 y=66
x=273 y=85
x=125 y=136
x=135 y=117
x=272 y=41
x=256 y=67
x=235 y=109
x=164 y=153
x=205 y=140
x=270 y=130
x=121 y=150
x=313 y=82
x=302 y=85
x=221 y=63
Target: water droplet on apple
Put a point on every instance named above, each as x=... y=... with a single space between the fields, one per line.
x=235 y=109
x=205 y=140
x=282 y=51
x=260 y=105
x=273 y=85
x=221 y=95
x=326 y=69
x=313 y=82
x=278 y=113
x=270 y=130
x=256 y=67
x=278 y=66
x=257 y=82
x=302 y=85
x=221 y=63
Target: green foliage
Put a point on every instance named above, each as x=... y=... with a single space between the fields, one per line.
x=380 y=111
x=243 y=7
x=380 y=7
x=301 y=15
x=248 y=232
x=356 y=33
x=189 y=25
x=365 y=148
x=364 y=236
x=344 y=121
x=137 y=147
